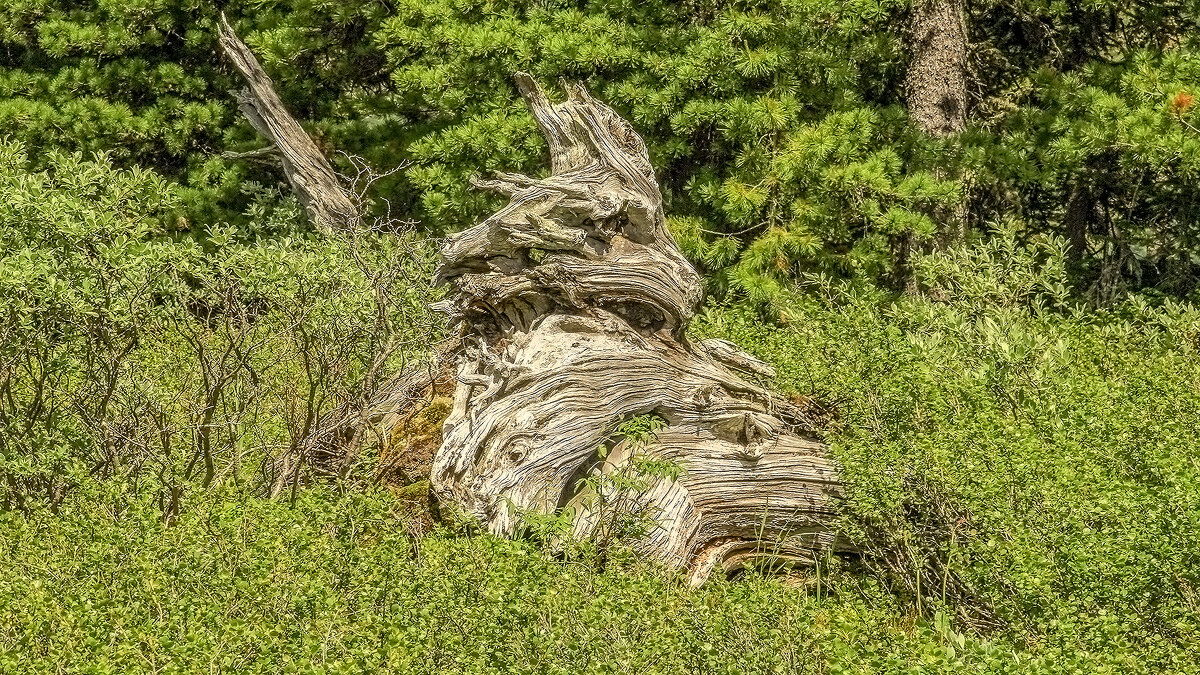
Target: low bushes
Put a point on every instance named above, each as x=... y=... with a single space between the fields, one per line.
x=1021 y=463
x=165 y=360
x=333 y=585
x=1021 y=471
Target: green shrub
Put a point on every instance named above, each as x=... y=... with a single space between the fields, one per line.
x=333 y=585
x=164 y=360
x=1010 y=465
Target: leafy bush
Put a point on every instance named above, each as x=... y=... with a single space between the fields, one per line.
x=613 y=507
x=171 y=360
x=1017 y=470
x=334 y=585
x=998 y=274
x=1025 y=470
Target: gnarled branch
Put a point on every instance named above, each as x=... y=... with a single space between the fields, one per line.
x=312 y=178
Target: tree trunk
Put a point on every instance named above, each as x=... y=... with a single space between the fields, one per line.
x=571 y=304
x=936 y=82
x=936 y=91
x=1078 y=219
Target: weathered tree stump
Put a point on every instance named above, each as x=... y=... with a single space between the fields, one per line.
x=572 y=304
x=570 y=307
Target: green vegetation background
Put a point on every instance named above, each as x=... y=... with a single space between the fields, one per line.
x=777 y=127
x=1017 y=430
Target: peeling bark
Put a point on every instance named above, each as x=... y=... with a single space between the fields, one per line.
x=571 y=304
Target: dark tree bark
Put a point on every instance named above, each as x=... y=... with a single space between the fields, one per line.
x=1078 y=220
x=936 y=92
x=936 y=84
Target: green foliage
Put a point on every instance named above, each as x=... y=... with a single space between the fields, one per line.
x=613 y=501
x=142 y=81
x=79 y=268
x=1103 y=156
x=334 y=585
x=777 y=131
x=1000 y=273
x=1009 y=460
x=614 y=492
x=1019 y=470
x=169 y=360
x=777 y=127
x=639 y=429
x=761 y=118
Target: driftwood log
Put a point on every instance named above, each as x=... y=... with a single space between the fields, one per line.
x=572 y=305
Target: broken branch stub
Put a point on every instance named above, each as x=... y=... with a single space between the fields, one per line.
x=572 y=304
x=310 y=175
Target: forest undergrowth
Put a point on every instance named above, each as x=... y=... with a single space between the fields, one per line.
x=1019 y=469
x=1000 y=326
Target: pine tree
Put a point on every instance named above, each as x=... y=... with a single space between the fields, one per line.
x=142 y=81
x=792 y=137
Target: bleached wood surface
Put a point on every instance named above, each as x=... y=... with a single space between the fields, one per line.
x=312 y=178
x=572 y=304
